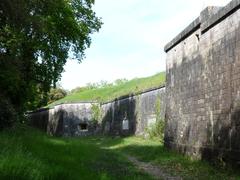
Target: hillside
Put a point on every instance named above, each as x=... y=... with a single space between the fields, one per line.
x=110 y=92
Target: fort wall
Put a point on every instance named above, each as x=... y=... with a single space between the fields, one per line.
x=203 y=86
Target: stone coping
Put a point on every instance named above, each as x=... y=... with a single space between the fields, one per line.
x=95 y=102
x=64 y=103
x=38 y=110
x=220 y=15
x=183 y=35
x=134 y=94
x=77 y=102
x=205 y=23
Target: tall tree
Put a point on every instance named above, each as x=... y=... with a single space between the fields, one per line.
x=36 y=38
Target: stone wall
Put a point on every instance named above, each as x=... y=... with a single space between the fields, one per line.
x=203 y=86
x=75 y=119
x=139 y=112
x=124 y=116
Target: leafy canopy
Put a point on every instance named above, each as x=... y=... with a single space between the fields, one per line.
x=36 y=38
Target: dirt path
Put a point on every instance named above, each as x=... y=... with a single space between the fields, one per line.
x=153 y=170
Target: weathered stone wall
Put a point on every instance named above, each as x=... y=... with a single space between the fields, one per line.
x=39 y=119
x=66 y=119
x=203 y=86
x=124 y=116
x=139 y=112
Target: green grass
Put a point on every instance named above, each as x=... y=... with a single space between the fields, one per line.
x=29 y=154
x=174 y=163
x=111 y=92
x=26 y=153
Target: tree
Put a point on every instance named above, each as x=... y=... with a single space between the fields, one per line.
x=56 y=94
x=36 y=38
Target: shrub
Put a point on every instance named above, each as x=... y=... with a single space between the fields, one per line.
x=56 y=94
x=156 y=130
x=97 y=114
x=8 y=114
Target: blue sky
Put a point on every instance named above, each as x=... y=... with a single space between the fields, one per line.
x=131 y=40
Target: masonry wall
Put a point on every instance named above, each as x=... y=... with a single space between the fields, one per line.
x=141 y=111
x=203 y=86
x=124 y=116
x=75 y=119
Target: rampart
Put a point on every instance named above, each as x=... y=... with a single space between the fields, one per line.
x=127 y=115
x=203 y=86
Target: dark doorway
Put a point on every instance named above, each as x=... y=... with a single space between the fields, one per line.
x=83 y=127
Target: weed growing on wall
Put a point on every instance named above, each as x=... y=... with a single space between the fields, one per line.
x=97 y=113
x=156 y=130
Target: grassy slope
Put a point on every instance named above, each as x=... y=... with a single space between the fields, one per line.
x=112 y=92
x=29 y=154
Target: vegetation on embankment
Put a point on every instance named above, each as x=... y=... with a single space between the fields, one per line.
x=111 y=91
x=26 y=153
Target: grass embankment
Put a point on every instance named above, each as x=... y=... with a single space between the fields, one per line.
x=29 y=154
x=111 y=92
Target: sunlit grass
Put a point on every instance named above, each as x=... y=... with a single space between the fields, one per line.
x=29 y=154
x=26 y=153
x=153 y=151
x=111 y=92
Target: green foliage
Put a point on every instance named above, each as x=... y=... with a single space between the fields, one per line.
x=29 y=154
x=56 y=94
x=97 y=114
x=120 y=81
x=7 y=113
x=156 y=130
x=78 y=90
x=36 y=37
x=97 y=85
x=26 y=154
x=110 y=92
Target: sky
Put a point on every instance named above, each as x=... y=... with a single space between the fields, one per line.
x=131 y=41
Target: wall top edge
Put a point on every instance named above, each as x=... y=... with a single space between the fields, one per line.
x=95 y=102
x=208 y=18
x=183 y=35
x=221 y=14
x=38 y=110
x=135 y=94
x=66 y=103
x=77 y=102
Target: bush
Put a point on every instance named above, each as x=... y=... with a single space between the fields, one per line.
x=56 y=94
x=8 y=114
x=97 y=114
x=156 y=130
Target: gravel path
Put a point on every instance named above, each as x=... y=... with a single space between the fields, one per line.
x=153 y=170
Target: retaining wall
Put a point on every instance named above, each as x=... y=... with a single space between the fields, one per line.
x=203 y=86
x=124 y=116
x=75 y=119
x=139 y=112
